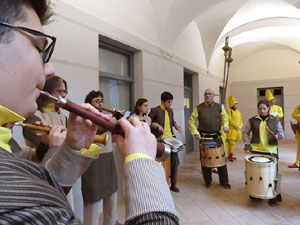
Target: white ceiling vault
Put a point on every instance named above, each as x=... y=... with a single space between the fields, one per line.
x=252 y=25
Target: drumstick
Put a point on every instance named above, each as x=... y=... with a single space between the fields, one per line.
x=102 y=139
x=271 y=132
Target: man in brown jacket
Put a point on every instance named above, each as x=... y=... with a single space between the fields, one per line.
x=210 y=117
x=162 y=118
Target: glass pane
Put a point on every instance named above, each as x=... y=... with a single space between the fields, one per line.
x=187 y=81
x=116 y=94
x=112 y=62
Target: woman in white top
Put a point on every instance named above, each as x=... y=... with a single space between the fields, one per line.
x=141 y=110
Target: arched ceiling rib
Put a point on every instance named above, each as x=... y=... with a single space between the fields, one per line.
x=212 y=21
x=278 y=24
x=183 y=13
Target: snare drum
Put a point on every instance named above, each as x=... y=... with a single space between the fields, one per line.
x=212 y=154
x=175 y=144
x=260 y=175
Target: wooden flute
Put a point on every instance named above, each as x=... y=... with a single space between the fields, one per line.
x=102 y=139
x=163 y=151
x=112 y=111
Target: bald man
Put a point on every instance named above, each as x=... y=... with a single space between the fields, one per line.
x=210 y=116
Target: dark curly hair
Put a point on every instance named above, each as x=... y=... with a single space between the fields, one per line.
x=92 y=94
x=166 y=96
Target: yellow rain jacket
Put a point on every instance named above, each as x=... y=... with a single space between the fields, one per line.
x=235 y=120
x=296 y=116
x=274 y=108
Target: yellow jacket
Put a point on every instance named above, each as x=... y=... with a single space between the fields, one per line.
x=296 y=116
x=235 y=122
x=276 y=109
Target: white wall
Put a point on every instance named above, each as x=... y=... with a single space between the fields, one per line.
x=159 y=75
x=267 y=64
x=133 y=16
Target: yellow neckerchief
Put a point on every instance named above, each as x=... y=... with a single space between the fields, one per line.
x=50 y=107
x=7 y=116
x=263 y=145
x=141 y=114
x=167 y=126
x=211 y=105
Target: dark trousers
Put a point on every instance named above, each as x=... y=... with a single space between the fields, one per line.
x=206 y=171
x=222 y=172
x=174 y=167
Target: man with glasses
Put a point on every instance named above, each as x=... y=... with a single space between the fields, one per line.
x=210 y=117
x=29 y=193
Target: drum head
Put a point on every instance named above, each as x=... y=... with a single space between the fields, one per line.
x=176 y=143
x=260 y=159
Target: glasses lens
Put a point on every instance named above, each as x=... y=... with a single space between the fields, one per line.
x=48 y=52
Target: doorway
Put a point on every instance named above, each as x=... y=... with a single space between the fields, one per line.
x=188 y=109
x=277 y=93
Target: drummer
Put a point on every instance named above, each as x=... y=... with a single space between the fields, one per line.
x=266 y=130
x=210 y=116
x=162 y=117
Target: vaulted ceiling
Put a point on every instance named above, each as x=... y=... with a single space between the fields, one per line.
x=252 y=25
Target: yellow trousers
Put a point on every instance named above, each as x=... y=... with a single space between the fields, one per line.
x=231 y=145
x=298 y=154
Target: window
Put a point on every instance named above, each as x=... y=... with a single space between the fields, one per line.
x=116 y=76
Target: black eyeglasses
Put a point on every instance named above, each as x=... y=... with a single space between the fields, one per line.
x=47 y=51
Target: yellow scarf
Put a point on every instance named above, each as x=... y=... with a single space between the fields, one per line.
x=7 y=116
x=50 y=107
x=167 y=125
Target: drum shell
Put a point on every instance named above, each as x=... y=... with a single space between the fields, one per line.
x=260 y=177
x=167 y=167
x=212 y=156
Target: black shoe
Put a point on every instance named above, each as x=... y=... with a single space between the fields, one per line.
x=272 y=202
x=207 y=185
x=174 y=188
x=253 y=199
x=227 y=186
x=278 y=198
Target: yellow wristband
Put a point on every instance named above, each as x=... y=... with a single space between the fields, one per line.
x=135 y=156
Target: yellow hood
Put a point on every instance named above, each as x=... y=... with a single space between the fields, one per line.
x=231 y=101
x=269 y=95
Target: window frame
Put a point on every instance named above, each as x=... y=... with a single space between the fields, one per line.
x=110 y=76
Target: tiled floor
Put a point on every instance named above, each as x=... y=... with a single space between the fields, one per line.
x=197 y=205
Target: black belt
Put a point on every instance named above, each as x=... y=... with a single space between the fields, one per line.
x=208 y=135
